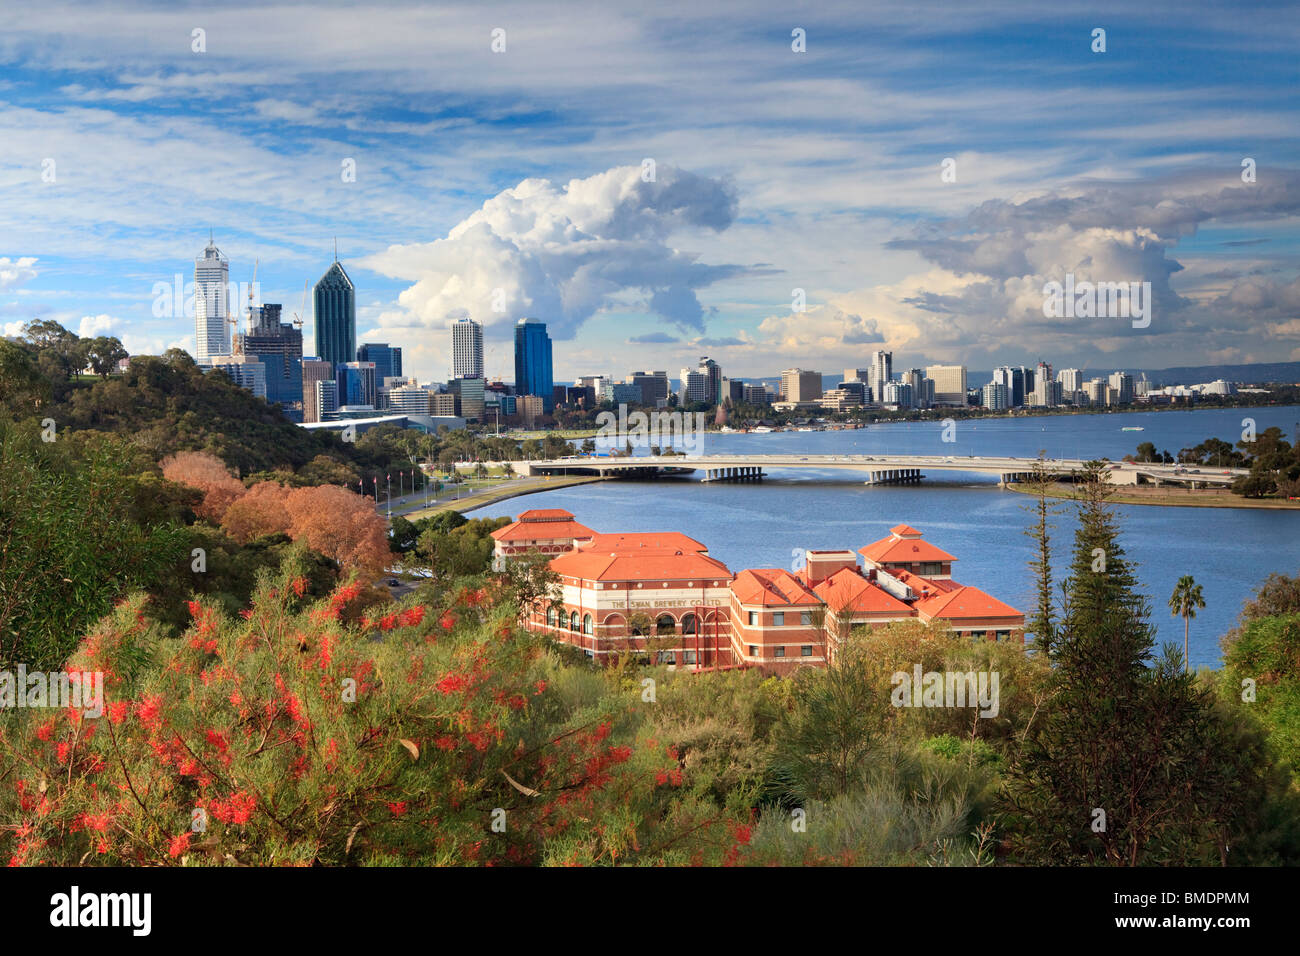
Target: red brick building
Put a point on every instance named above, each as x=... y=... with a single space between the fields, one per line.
x=541 y=531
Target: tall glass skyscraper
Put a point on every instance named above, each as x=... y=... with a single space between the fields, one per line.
x=278 y=345
x=211 y=280
x=387 y=359
x=335 y=299
x=533 y=374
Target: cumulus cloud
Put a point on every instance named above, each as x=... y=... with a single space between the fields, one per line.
x=14 y=272
x=654 y=338
x=561 y=253
x=95 y=325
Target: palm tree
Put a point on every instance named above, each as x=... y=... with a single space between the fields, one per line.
x=1185 y=602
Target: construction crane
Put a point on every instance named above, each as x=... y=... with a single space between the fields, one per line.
x=297 y=316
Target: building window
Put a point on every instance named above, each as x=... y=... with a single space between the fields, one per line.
x=778 y=619
x=1003 y=635
x=978 y=635
x=805 y=618
x=688 y=657
x=665 y=624
x=753 y=650
x=931 y=567
x=753 y=619
x=550 y=617
x=688 y=624
x=805 y=651
x=586 y=624
x=573 y=621
x=667 y=657
x=780 y=652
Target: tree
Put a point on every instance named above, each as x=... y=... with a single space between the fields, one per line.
x=209 y=475
x=103 y=353
x=23 y=389
x=261 y=511
x=1043 y=624
x=341 y=526
x=1185 y=602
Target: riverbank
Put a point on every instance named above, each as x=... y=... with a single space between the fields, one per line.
x=511 y=489
x=1167 y=496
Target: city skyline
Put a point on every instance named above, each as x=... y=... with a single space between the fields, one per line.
x=834 y=184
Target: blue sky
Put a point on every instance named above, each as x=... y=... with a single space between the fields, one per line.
x=515 y=179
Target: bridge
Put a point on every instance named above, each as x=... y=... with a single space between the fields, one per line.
x=879 y=469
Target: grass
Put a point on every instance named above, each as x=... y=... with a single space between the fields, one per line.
x=1166 y=496
x=490 y=492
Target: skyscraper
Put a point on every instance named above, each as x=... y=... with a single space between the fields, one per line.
x=387 y=359
x=949 y=383
x=653 y=386
x=278 y=346
x=211 y=280
x=315 y=370
x=357 y=385
x=466 y=349
x=712 y=373
x=882 y=371
x=533 y=374
x=335 y=300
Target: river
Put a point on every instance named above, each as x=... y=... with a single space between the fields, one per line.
x=1229 y=551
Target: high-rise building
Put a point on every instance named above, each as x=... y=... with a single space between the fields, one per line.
x=858 y=375
x=466 y=349
x=757 y=394
x=278 y=346
x=335 y=300
x=470 y=397
x=798 y=385
x=211 y=305
x=897 y=394
x=1122 y=382
x=1014 y=379
x=712 y=373
x=387 y=359
x=530 y=408
x=996 y=396
x=314 y=370
x=325 y=399
x=922 y=387
x=653 y=385
x=882 y=371
x=533 y=373
x=1071 y=379
x=244 y=370
x=949 y=383
x=357 y=384
x=694 y=386
x=733 y=391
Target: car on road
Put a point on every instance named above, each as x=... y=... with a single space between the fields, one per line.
x=394 y=583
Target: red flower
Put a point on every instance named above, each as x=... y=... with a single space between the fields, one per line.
x=447 y=621
x=299 y=586
x=397 y=809
x=179 y=844
x=412 y=616
x=451 y=684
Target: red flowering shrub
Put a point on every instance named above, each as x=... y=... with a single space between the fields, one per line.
x=298 y=734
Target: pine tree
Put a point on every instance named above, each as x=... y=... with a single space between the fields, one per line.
x=1043 y=624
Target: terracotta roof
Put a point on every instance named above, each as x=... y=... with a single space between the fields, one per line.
x=654 y=564
x=920 y=585
x=542 y=531
x=546 y=514
x=846 y=589
x=644 y=542
x=903 y=546
x=772 y=587
x=965 y=603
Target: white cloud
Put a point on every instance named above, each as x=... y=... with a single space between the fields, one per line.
x=95 y=325
x=14 y=272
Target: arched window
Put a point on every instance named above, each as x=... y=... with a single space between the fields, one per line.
x=689 y=624
x=573 y=621
x=550 y=617
x=665 y=624
x=586 y=624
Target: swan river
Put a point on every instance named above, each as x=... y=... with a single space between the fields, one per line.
x=747 y=525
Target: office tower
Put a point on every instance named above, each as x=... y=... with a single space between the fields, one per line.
x=757 y=394
x=694 y=386
x=1014 y=379
x=922 y=387
x=387 y=359
x=733 y=391
x=897 y=394
x=856 y=387
x=882 y=371
x=469 y=394
x=1122 y=382
x=444 y=404
x=410 y=399
x=798 y=385
x=313 y=370
x=996 y=396
x=949 y=383
x=278 y=346
x=712 y=373
x=1071 y=380
x=335 y=301
x=533 y=374
x=625 y=393
x=530 y=408
x=653 y=385
x=858 y=375
x=211 y=305
x=466 y=349
x=357 y=385
x=325 y=399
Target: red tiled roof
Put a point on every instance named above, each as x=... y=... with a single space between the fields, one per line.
x=643 y=542
x=655 y=564
x=543 y=531
x=546 y=514
x=920 y=585
x=848 y=590
x=903 y=546
x=772 y=587
x=965 y=603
